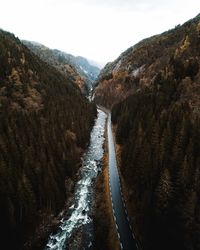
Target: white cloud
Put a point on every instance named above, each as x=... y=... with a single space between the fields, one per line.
x=97 y=29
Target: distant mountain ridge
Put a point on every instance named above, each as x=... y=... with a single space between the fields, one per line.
x=79 y=67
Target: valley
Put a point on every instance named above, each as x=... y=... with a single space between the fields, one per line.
x=101 y=159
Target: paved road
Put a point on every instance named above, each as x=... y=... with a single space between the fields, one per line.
x=125 y=235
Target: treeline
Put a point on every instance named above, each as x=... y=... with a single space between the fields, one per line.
x=45 y=124
x=159 y=132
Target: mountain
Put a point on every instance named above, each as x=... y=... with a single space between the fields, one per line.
x=144 y=63
x=78 y=67
x=153 y=89
x=99 y=65
x=45 y=126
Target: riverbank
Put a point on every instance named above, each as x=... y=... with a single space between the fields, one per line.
x=50 y=222
x=105 y=235
x=76 y=229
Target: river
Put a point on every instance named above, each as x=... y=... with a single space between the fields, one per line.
x=79 y=214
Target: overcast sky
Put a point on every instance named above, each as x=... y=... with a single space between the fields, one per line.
x=97 y=29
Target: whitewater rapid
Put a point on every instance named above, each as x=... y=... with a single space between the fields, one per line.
x=80 y=211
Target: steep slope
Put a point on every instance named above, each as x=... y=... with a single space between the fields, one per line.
x=45 y=125
x=79 y=68
x=90 y=70
x=154 y=89
x=173 y=51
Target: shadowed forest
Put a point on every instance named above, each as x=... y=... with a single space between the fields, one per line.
x=45 y=125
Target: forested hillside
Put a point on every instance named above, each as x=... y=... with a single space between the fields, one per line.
x=78 y=68
x=154 y=89
x=160 y=163
x=175 y=53
x=45 y=124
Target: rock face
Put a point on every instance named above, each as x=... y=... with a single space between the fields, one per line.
x=45 y=125
x=175 y=53
x=154 y=91
x=80 y=70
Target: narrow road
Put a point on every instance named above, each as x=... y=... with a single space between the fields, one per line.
x=125 y=235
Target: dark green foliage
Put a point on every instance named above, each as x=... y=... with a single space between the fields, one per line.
x=159 y=134
x=154 y=89
x=45 y=122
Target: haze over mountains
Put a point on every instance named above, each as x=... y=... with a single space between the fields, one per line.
x=84 y=72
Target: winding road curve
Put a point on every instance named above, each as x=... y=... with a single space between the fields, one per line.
x=125 y=235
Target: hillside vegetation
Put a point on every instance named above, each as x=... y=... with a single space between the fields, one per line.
x=77 y=68
x=154 y=91
x=45 y=125
x=173 y=55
